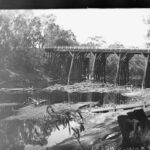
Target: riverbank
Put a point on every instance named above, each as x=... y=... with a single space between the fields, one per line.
x=100 y=121
x=102 y=131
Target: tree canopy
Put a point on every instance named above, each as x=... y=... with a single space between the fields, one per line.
x=23 y=37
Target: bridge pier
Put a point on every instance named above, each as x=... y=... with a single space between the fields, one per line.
x=97 y=67
x=84 y=62
x=55 y=68
x=77 y=68
x=64 y=62
x=92 y=65
x=71 y=65
x=122 y=75
x=100 y=65
x=78 y=65
x=146 y=77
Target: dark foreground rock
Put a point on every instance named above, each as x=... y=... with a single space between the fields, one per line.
x=135 y=129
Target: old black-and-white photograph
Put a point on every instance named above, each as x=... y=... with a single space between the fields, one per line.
x=75 y=79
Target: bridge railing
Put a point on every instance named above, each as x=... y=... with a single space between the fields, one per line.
x=96 y=49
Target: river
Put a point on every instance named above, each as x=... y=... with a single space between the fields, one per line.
x=30 y=134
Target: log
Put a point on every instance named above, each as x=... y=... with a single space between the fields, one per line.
x=7 y=104
x=37 y=102
x=124 y=107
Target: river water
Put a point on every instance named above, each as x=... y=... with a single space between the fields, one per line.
x=30 y=134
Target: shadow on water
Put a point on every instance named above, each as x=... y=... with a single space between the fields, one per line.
x=32 y=134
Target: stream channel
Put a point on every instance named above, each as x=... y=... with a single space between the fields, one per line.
x=29 y=134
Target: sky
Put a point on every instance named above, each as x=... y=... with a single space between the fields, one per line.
x=114 y=25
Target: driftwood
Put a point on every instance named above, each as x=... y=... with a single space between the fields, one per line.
x=8 y=104
x=135 y=130
x=37 y=102
x=16 y=90
x=124 y=107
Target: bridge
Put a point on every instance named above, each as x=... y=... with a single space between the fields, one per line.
x=90 y=62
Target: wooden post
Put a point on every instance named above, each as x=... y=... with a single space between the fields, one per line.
x=117 y=73
x=93 y=64
x=145 y=70
x=85 y=66
x=104 y=57
x=122 y=76
x=72 y=55
x=95 y=68
x=81 y=64
x=99 y=69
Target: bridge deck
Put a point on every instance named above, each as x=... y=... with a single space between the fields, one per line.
x=97 y=50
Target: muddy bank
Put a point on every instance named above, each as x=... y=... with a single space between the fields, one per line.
x=101 y=128
x=101 y=131
x=88 y=86
x=36 y=112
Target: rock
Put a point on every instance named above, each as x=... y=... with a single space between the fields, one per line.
x=135 y=129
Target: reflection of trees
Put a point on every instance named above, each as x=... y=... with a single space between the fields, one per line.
x=120 y=99
x=15 y=134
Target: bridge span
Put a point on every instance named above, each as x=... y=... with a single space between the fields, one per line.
x=90 y=62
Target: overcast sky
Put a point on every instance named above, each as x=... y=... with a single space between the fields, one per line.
x=123 y=25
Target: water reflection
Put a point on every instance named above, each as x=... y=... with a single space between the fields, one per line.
x=15 y=134
x=6 y=111
x=30 y=134
x=60 y=96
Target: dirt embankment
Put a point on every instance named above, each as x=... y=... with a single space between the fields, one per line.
x=101 y=131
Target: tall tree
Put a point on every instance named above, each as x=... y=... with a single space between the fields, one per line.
x=97 y=41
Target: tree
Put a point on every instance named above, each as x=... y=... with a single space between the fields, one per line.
x=66 y=38
x=116 y=45
x=22 y=39
x=56 y=36
x=5 y=40
x=147 y=36
x=112 y=60
x=95 y=41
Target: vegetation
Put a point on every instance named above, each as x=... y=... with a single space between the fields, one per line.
x=22 y=39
